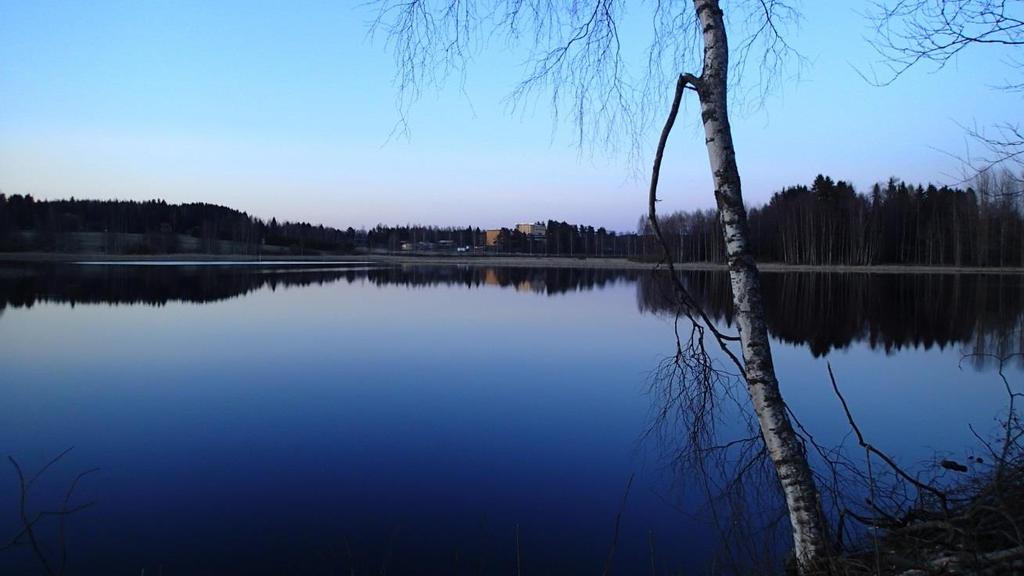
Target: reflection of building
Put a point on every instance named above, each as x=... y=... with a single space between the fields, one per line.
x=491 y=237
x=533 y=230
x=491 y=277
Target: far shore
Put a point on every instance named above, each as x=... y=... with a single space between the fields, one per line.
x=515 y=261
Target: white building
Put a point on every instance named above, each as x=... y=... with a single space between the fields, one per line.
x=534 y=230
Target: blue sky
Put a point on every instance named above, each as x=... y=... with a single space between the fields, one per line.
x=285 y=109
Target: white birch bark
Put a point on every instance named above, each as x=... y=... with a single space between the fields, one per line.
x=784 y=447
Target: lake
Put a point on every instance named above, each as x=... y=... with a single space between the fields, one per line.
x=369 y=419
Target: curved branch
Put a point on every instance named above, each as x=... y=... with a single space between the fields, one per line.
x=684 y=81
x=885 y=457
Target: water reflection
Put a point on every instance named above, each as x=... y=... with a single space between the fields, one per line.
x=422 y=418
x=890 y=312
x=822 y=311
x=24 y=285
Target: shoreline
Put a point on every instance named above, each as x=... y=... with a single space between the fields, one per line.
x=514 y=261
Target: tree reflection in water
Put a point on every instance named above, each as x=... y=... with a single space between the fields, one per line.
x=981 y=313
x=824 y=312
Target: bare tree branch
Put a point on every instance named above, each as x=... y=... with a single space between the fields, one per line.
x=910 y=33
x=576 y=55
x=30 y=521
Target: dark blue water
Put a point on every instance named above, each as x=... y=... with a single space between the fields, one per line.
x=298 y=420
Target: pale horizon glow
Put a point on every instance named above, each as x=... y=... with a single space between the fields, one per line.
x=288 y=111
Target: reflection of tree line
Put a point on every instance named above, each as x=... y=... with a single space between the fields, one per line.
x=538 y=280
x=827 y=311
x=824 y=311
x=26 y=285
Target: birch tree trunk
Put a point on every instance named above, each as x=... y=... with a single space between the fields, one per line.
x=783 y=444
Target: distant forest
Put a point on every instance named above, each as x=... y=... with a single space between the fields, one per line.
x=829 y=223
x=826 y=223
x=154 y=227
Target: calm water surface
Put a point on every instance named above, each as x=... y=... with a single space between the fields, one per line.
x=355 y=419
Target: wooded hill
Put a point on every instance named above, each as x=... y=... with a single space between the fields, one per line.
x=154 y=227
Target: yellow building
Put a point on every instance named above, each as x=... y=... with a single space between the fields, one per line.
x=491 y=237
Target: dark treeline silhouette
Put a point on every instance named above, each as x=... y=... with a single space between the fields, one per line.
x=392 y=238
x=154 y=227
x=559 y=239
x=575 y=240
x=823 y=311
x=826 y=223
x=829 y=223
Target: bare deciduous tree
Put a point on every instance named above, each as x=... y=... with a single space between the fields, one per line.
x=577 y=56
x=915 y=32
